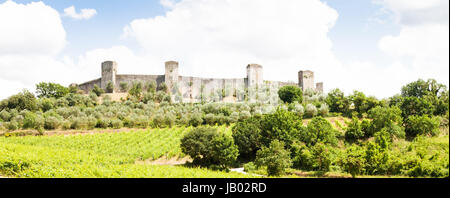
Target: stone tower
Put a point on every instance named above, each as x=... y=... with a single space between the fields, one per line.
x=254 y=75
x=306 y=80
x=109 y=71
x=319 y=87
x=171 y=75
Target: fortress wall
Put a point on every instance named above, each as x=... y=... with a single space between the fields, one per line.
x=191 y=87
x=143 y=78
x=88 y=86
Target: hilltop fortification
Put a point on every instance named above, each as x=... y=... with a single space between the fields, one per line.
x=195 y=89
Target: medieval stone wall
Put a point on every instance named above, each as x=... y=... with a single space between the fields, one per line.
x=195 y=89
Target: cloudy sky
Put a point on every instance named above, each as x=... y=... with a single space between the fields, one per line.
x=375 y=46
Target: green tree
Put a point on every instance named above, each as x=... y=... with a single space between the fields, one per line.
x=385 y=117
x=206 y=146
x=282 y=125
x=110 y=87
x=337 y=102
x=246 y=135
x=20 y=101
x=51 y=90
x=136 y=89
x=290 y=94
x=422 y=125
x=319 y=130
x=275 y=157
x=354 y=160
x=97 y=90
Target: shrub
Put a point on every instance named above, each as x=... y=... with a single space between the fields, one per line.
x=354 y=130
x=297 y=108
x=319 y=130
x=5 y=115
x=123 y=86
x=376 y=159
x=206 y=146
x=281 y=125
x=196 y=119
x=12 y=125
x=422 y=125
x=354 y=160
x=323 y=110
x=52 y=123
x=249 y=167
x=289 y=94
x=116 y=123
x=384 y=117
x=275 y=158
x=321 y=156
x=246 y=135
x=338 y=102
x=103 y=123
x=311 y=111
x=21 y=101
x=46 y=104
x=97 y=90
x=110 y=87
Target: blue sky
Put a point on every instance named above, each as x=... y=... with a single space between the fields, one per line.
x=353 y=35
x=375 y=46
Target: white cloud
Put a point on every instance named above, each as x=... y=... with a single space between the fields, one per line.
x=167 y=3
x=423 y=43
x=84 y=13
x=33 y=28
x=214 y=38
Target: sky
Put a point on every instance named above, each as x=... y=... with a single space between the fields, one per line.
x=374 y=46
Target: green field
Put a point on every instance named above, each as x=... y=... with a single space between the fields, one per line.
x=99 y=155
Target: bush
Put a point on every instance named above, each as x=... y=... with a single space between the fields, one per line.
x=123 y=86
x=289 y=94
x=319 y=130
x=52 y=123
x=116 y=123
x=311 y=111
x=281 y=125
x=21 y=101
x=249 y=167
x=376 y=158
x=384 y=117
x=196 y=119
x=97 y=90
x=5 y=115
x=103 y=123
x=354 y=160
x=110 y=87
x=275 y=158
x=324 y=110
x=338 y=102
x=206 y=146
x=297 y=108
x=416 y=106
x=246 y=135
x=354 y=130
x=422 y=125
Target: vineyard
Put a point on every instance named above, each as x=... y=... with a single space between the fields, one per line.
x=99 y=155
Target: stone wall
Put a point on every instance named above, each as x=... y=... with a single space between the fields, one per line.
x=195 y=89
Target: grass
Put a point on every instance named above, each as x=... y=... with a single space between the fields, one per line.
x=99 y=155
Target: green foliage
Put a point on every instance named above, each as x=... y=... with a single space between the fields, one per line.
x=385 y=117
x=51 y=90
x=310 y=111
x=376 y=158
x=354 y=160
x=362 y=103
x=109 y=87
x=337 y=102
x=246 y=135
x=290 y=94
x=416 y=106
x=207 y=146
x=354 y=130
x=274 y=157
x=97 y=90
x=136 y=89
x=282 y=125
x=163 y=87
x=123 y=86
x=21 y=101
x=319 y=130
x=422 y=125
x=151 y=87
